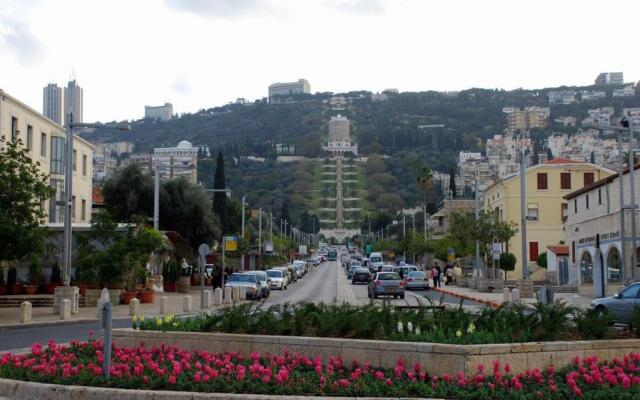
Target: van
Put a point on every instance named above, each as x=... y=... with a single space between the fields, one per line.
x=375 y=259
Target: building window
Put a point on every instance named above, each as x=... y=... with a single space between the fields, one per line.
x=29 y=137
x=586 y=268
x=43 y=144
x=564 y=212
x=532 y=212
x=542 y=181
x=533 y=251
x=83 y=210
x=73 y=207
x=599 y=197
x=613 y=266
x=586 y=202
x=57 y=155
x=56 y=212
x=565 y=180
x=588 y=178
x=75 y=160
x=14 y=128
x=84 y=165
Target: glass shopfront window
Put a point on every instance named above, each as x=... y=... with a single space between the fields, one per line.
x=586 y=269
x=614 y=266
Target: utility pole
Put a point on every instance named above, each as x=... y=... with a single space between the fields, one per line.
x=243 y=203
x=477 y=202
x=523 y=212
x=424 y=215
x=260 y=230
x=156 y=196
x=623 y=236
x=632 y=187
x=271 y=228
x=404 y=232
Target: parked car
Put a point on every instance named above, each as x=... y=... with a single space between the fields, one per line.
x=416 y=280
x=291 y=273
x=299 y=270
x=404 y=270
x=361 y=275
x=277 y=279
x=250 y=282
x=264 y=282
x=621 y=304
x=386 y=284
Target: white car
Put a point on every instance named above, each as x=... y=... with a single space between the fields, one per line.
x=277 y=279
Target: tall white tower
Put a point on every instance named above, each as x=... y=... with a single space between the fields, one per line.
x=73 y=100
x=52 y=102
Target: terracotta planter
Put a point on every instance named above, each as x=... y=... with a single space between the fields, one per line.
x=194 y=280
x=146 y=296
x=184 y=283
x=169 y=286
x=16 y=288
x=128 y=296
x=30 y=289
x=49 y=288
x=3 y=289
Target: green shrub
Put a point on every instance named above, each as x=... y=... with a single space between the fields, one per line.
x=635 y=321
x=552 y=320
x=593 y=324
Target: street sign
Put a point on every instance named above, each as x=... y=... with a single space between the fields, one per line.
x=231 y=243
x=203 y=249
x=302 y=250
x=451 y=254
x=496 y=250
x=268 y=247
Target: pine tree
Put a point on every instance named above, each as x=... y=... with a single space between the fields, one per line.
x=220 y=198
x=452 y=182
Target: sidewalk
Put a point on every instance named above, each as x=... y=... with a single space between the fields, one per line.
x=10 y=317
x=495 y=299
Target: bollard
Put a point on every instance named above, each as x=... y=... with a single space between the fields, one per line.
x=236 y=294
x=134 y=307
x=186 y=303
x=217 y=297
x=25 y=312
x=205 y=302
x=227 y=295
x=106 y=326
x=104 y=298
x=65 y=309
x=506 y=295
x=164 y=304
x=515 y=295
x=242 y=293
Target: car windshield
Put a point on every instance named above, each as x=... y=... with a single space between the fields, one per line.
x=242 y=278
x=417 y=274
x=274 y=274
x=362 y=271
x=388 y=276
x=259 y=277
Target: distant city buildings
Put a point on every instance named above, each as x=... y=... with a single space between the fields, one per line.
x=289 y=88
x=566 y=121
x=599 y=116
x=561 y=97
x=592 y=95
x=163 y=112
x=113 y=149
x=527 y=118
x=179 y=161
x=587 y=147
x=609 y=78
x=52 y=102
x=391 y=91
x=379 y=97
x=285 y=149
x=73 y=101
x=338 y=103
x=624 y=92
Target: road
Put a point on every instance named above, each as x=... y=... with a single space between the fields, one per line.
x=321 y=284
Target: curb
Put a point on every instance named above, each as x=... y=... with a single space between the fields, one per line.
x=48 y=323
x=489 y=303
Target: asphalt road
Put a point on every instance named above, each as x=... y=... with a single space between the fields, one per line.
x=318 y=285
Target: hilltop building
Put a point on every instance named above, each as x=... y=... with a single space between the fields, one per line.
x=527 y=118
x=339 y=140
x=288 y=88
x=609 y=78
x=52 y=102
x=163 y=112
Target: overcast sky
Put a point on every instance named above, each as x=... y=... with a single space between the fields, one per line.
x=202 y=53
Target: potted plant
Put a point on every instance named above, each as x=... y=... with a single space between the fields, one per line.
x=49 y=288
x=12 y=282
x=170 y=274
x=146 y=295
x=184 y=282
x=35 y=275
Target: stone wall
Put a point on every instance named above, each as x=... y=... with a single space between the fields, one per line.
x=435 y=358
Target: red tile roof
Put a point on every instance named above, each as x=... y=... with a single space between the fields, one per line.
x=559 y=250
x=563 y=161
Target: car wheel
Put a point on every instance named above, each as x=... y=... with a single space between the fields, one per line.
x=402 y=296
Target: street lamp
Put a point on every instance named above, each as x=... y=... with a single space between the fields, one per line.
x=68 y=189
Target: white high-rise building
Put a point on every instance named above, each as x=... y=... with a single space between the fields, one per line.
x=287 y=88
x=73 y=101
x=52 y=102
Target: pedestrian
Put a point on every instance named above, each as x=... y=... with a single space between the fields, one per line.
x=435 y=274
x=449 y=274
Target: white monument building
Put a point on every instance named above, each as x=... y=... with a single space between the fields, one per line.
x=339 y=140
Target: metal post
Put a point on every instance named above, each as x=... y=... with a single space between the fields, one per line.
x=106 y=351
x=243 y=197
x=271 y=228
x=260 y=230
x=156 y=196
x=623 y=236
x=404 y=229
x=68 y=202
x=632 y=190
x=224 y=245
x=424 y=215
x=523 y=215
x=477 y=205
x=201 y=261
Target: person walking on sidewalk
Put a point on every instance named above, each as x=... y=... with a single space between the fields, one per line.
x=448 y=274
x=435 y=273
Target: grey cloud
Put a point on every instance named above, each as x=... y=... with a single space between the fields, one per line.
x=181 y=86
x=16 y=36
x=227 y=9
x=359 y=7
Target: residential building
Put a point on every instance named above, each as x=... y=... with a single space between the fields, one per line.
x=73 y=101
x=338 y=103
x=439 y=222
x=592 y=95
x=52 y=102
x=503 y=153
x=628 y=91
x=634 y=114
x=599 y=116
x=288 y=88
x=561 y=97
x=593 y=235
x=528 y=118
x=379 y=97
x=163 y=112
x=179 y=161
x=45 y=142
x=609 y=78
x=464 y=156
x=103 y=168
x=472 y=168
x=339 y=139
x=285 y=149
x=391 y=91
x=566 y=121
x=113 y=149
x=546 y=184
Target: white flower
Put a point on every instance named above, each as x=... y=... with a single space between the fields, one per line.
x=417 y=330
x=400 y=327
x=409 y=327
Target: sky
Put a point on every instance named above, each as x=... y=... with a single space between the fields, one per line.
x=203 y=53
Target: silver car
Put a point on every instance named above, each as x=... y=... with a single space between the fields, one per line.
x=264 y=282
x=250 y=282
x=416 y=280
x=621 y=304
x=386 y=284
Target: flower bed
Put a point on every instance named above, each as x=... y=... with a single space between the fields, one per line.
x=513 y=323
x=172 y=368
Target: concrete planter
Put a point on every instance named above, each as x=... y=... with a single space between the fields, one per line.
x=93 y=295
x=435 y=358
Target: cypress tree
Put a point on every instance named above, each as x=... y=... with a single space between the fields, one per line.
x=220 y=198
x=452 y=182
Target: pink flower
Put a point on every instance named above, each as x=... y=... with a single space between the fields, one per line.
x=172 y=380
x=389 y=382
x=197 y=377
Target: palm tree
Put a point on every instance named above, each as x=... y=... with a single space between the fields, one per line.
x=424 y=180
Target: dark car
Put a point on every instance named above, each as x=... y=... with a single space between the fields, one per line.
x=361 y=275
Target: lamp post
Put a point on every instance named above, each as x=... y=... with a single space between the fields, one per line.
x=68 y=189
x=242 y=232
x=523 y=215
